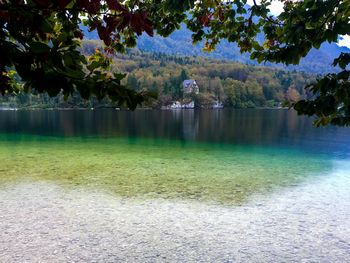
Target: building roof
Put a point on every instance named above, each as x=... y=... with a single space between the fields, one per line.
x=187 y=82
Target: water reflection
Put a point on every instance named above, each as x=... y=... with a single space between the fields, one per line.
x=255 y=127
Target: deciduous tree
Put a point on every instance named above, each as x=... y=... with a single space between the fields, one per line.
x=39 y=39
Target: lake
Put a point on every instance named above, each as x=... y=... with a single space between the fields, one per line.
x=172 y=186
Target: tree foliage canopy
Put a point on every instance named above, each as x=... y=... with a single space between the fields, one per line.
x=39 y=39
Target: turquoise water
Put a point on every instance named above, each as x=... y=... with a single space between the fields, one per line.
x=145 y=186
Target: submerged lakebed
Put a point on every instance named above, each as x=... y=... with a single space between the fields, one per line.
x=145 y=186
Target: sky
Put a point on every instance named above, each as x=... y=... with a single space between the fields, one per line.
x=345 y=41
x=277 y=7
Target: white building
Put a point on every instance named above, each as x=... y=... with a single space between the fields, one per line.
x=190 y=86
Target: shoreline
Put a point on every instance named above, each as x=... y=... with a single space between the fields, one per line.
x=144 y=108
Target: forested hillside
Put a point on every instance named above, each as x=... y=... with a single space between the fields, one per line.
x=234 y=84
x=180 y=43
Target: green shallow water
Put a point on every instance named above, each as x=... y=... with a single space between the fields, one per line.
x=158 y=168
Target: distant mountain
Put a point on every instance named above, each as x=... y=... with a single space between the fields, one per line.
x=180 y=43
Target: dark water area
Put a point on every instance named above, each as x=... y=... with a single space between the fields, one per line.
x=262 y=127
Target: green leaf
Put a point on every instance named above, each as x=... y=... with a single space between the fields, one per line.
x=39 y=47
